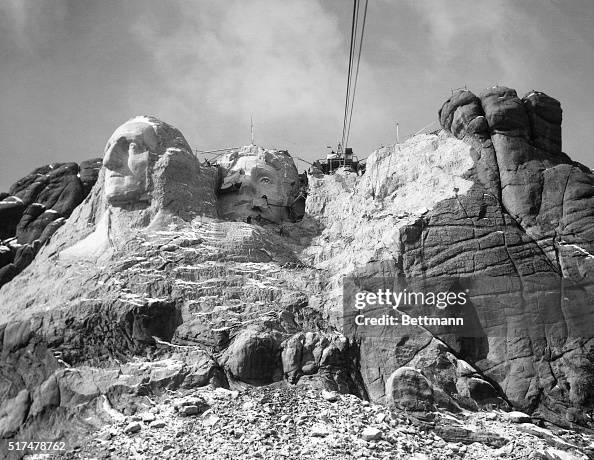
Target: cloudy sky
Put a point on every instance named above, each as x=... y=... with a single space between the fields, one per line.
x=71 y=71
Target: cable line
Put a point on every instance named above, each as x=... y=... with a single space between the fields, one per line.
x=348 y=88
x=355 y=48
x=357 y=72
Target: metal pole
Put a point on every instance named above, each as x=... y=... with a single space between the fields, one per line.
x=397 y=133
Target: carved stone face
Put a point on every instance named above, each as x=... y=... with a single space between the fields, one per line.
x=126 y=159
x=257 y=184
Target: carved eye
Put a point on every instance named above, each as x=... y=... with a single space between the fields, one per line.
x=121 y=143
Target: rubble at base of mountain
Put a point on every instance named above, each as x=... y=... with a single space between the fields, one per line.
x=282 y=423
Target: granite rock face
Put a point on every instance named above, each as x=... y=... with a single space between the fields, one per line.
x=518 y=218
x=546 y=204
x=36 y=206
x=164 y=294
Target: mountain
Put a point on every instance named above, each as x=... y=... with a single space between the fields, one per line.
x=145 y=290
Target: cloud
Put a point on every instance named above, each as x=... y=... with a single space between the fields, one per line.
x=511 y=42
x=484 y=33
x=14 y=19
x=30 y=24
x=284 y=62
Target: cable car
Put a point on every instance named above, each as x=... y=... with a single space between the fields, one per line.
x=341 y=158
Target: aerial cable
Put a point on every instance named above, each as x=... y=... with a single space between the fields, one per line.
x=354 y=47
x=356 y=73
x=350 y=79
x=346 y=104
x=347 y=97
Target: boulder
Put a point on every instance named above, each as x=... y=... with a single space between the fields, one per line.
x=371 y=433
x=11 y=211
x=191 y=406
x=456 y=384
x=461 y=434
x=132 y=427
x=504 y=112
x=158 y=424
x=463 y=114
x=254 y=357
x=409 y=389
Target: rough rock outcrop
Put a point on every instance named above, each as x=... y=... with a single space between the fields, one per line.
x=11 y=210
x=36 y=206
x=498 y=209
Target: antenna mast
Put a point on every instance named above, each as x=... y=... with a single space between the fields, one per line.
x=252 y=129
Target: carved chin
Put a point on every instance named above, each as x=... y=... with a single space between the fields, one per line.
x=125 y=190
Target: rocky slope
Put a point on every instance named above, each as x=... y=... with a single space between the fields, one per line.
x=298 y=423
x=123 y=306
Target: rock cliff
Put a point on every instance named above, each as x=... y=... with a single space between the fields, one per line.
x=128 y=301
x=34 y=208
x=503 y=204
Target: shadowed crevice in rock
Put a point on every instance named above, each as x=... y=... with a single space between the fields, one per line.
x=157 y=320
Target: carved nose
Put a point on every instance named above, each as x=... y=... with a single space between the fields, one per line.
x=259 y=203
x=112 y=159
